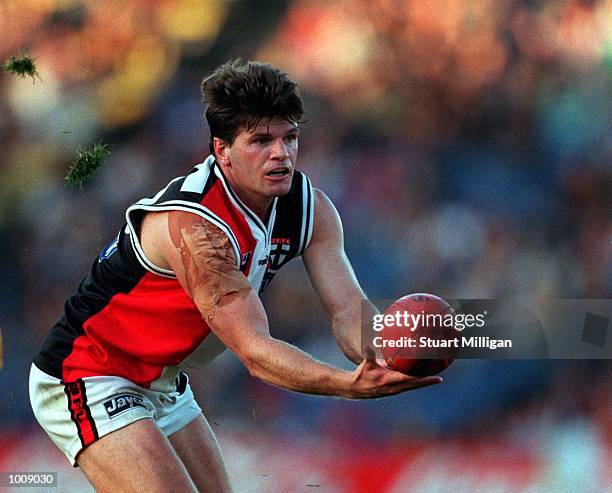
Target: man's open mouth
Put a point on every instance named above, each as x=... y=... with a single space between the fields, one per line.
x=278 y=172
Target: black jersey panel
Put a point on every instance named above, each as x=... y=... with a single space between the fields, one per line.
x=292 y=220
x=116 y=270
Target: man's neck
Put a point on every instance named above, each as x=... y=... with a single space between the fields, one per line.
x=259 y=205
x=256 y=203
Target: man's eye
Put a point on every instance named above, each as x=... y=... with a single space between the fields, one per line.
x=262 y=140
x=291 y=138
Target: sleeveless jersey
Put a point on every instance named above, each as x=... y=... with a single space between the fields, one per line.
x=133 y=319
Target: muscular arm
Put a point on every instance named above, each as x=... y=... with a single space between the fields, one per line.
x=333 y=278
x=202 y=258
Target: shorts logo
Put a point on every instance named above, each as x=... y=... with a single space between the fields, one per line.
x=121 y=403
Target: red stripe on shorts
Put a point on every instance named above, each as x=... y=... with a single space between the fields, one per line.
x=80 y=413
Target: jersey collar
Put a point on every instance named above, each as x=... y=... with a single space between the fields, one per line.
x=241 y=206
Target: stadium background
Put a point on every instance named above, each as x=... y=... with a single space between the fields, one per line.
x=467 y=145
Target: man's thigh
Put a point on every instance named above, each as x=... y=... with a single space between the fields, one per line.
x=198 y=449
x=135 y=458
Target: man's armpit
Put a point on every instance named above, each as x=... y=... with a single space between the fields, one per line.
x=207 y=257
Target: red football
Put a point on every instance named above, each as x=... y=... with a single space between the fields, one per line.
x=418 y=335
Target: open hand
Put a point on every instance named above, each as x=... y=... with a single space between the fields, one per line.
x=373 y=378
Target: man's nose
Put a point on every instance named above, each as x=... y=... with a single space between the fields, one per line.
x=279 y=150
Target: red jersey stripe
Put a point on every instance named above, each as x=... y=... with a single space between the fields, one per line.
x=218 y=202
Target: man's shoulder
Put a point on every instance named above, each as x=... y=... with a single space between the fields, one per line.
x=327 y=226
x=189 y=188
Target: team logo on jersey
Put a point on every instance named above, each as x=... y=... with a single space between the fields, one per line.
x=281 y=241
x=121 y=403
x=279 y=253
x=109 y=249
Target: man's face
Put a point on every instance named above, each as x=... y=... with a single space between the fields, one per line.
x=259 y=164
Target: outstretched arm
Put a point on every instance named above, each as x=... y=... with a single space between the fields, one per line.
x=332 y=276
x=201 y=256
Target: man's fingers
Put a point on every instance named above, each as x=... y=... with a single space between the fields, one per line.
x=407 y=382
x=426 y=381
x=433 y=380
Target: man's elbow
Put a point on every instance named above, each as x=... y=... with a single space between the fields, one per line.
x=352 y=354
x=348 y=340
x=250 y=362
x=255 y=356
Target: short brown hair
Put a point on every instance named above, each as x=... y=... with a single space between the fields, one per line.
x=237 y=96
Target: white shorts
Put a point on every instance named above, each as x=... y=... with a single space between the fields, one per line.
x=76 y=414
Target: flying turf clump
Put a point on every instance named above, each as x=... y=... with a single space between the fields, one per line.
x=86 y=163
x=23 y=67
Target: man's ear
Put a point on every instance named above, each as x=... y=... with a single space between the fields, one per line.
x=222 y=149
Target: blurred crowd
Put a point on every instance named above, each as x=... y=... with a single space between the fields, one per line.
x=466 y=143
